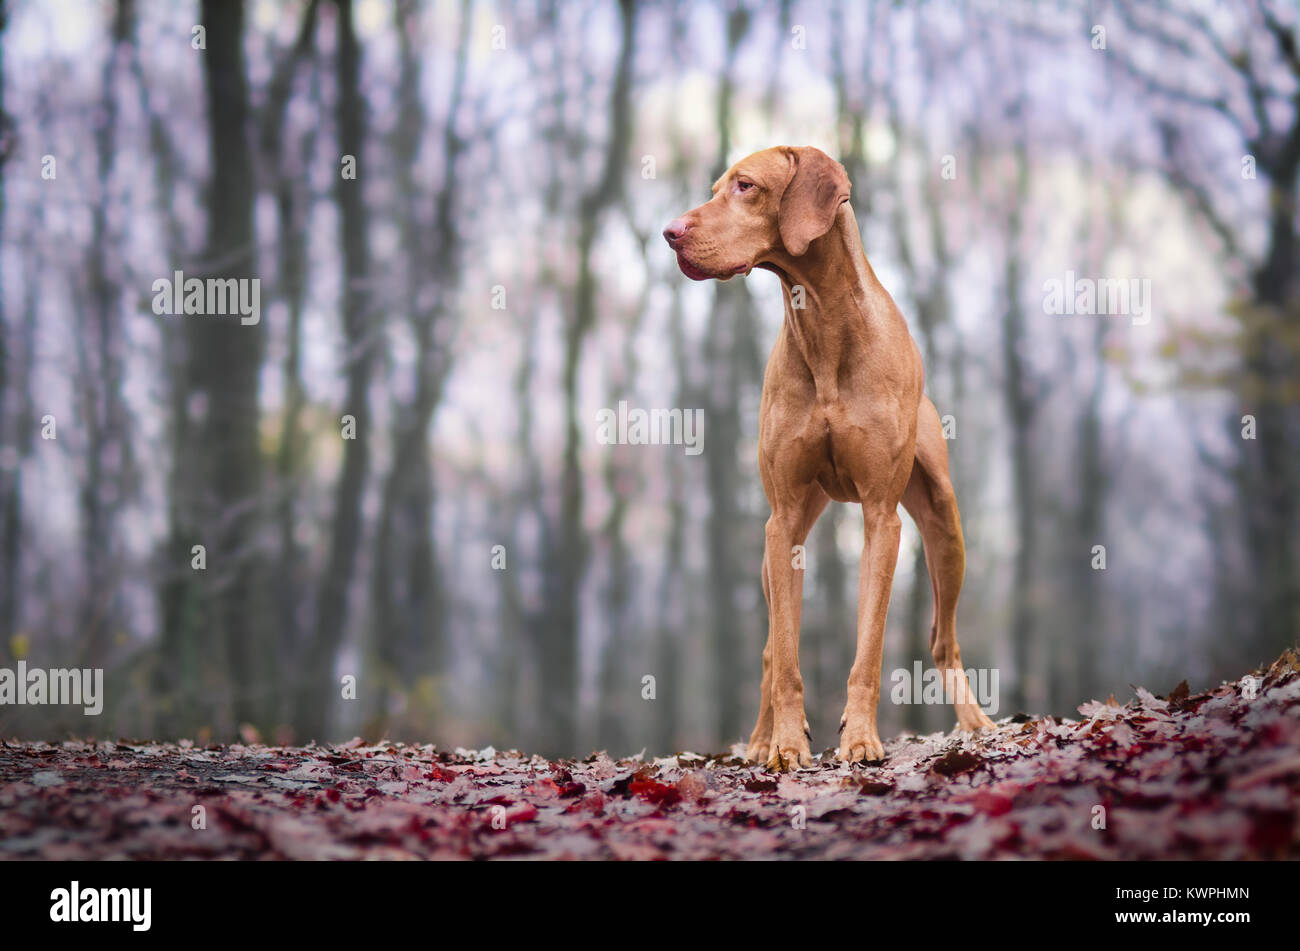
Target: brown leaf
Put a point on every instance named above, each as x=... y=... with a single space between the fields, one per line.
x=956 y=762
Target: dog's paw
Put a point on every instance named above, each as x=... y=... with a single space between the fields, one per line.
x=760 y=741
x=791 y=753
x=859 y=743
x=788 y=759
x=971 y=719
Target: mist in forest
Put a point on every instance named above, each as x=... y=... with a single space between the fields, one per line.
x=314 y=317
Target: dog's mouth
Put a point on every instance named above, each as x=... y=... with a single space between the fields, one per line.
x=690 y=270
x=698 y=274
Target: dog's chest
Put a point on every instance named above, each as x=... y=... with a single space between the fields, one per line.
x=809 y=442
x=840 y=444
x=837 y=461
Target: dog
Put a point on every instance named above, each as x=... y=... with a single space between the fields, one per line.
x=842 y=416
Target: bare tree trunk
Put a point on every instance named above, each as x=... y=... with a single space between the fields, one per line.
x=1077 y=674
x=617 y=683
x=105 y=482
x=674 y=611
x=11 y=445
x=525 y=638
x=1019 y=400
x=730 y=318
x=567 y=561
x=225 y=359
x=408 y=602
x=613 y=730
x=185 y=628
x=518 y=653
x=317 y=698
x=288 y=185
x=291 y=211
x=1270 y=471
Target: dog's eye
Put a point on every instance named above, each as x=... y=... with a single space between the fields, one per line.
x=744 y=186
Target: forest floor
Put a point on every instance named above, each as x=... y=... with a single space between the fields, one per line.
x=1212 y=775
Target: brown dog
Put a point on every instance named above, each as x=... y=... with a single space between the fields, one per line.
x=842 y=417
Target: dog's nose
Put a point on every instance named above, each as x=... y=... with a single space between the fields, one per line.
x=673 y=233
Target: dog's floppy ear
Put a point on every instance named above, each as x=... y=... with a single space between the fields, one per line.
x=818 y=186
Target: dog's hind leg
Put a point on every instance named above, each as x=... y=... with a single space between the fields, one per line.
x=930 y=500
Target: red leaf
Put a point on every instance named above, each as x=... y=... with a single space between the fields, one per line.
x=991 y=803
x=655 y=792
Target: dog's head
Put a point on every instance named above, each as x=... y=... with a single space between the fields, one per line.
x=770 y=204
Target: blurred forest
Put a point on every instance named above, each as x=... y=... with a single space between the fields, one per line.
x=453 y=209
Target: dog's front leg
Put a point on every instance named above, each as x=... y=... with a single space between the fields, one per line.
x=859 y=739
x=789 y=748
x=760 y=740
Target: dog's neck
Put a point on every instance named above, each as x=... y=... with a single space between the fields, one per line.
x=837 y=289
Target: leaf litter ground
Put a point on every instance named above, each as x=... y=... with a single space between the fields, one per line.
x=1212 y=775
